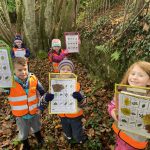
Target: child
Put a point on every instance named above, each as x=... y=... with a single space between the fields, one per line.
x=24 y=101
x=71 y=123
x=19 y=49
x=137 y=75
x=56 y=54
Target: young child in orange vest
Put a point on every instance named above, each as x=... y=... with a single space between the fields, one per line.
x=19 y=50
x=56 y=54
x=71 y=123
x=24 y=101
x=137 y=75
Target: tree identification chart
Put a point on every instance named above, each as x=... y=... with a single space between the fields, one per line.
x=62 y=86
x=6 y=75
x=133 y=109
x=72 y=42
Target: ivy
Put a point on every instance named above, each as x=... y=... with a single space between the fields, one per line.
x=11 y=5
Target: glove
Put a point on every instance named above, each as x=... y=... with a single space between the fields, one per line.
x=49 y=97
x=66 y=52
x=77 y=96
x=26 y=55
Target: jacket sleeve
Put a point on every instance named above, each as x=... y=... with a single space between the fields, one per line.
x=59 y=58
x=83 y=102
x=12 y=54
x=50 y=56
x=111 y=106
x=27 y=53
x=42 y=103
x=40 y=89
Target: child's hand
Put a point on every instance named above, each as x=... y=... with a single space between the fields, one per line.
x=49 y=97
x=66 y=52
x=114 y=114
x=78 y=96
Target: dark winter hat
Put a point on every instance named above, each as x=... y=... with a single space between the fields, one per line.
x=17 y=37
x=66 y=62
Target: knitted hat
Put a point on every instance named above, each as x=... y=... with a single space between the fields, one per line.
x=17 y=37
x=56 y=42
x=66 y=62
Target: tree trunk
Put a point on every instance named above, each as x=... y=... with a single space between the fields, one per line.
x=29 y=25
x=39 y=21
x=5 y=25
x=19 y=15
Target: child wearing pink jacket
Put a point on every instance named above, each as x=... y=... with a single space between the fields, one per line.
x=138 y=74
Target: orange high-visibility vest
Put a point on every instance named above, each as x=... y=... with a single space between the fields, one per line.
x=134 y=143
x=79 y=110
x=55 y=67
x=21 y=103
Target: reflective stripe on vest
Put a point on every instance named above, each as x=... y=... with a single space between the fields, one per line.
x=128 y=139
x=22 y=107
x=22 y=104
x=79 y=110
x=19 y=98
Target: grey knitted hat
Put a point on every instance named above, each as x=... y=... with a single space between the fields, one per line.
x=66 y=62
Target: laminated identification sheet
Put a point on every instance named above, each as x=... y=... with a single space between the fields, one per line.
x=6 y=75
x=134 y=110
x=62 y=86
x=20 y=53
x=72 y=42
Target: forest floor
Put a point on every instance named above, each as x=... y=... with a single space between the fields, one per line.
x=96 y=120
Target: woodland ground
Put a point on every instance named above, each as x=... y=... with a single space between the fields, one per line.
x=96 y=119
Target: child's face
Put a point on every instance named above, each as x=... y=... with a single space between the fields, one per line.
x=56 y=48
x=138 y=77
x=65 y=69
x=21 y=71
x=18 y=43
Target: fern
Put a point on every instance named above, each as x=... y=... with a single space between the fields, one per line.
x=115 y=56
x=102 y=49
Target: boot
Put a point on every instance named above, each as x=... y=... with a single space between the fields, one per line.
x=26 y=145
x=39 y=138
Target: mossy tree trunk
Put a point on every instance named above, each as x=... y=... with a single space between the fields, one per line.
x=6 y=33
x=41 y=20
x=29 y=24
x=19 y=7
